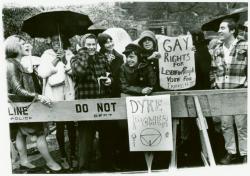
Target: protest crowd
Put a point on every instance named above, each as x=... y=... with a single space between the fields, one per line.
x=95 y=70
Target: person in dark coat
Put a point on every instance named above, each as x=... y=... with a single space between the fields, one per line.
x=24 y=85
x=114 y=59
x=137 y=77
x=109 y=140
x=150 y=54
x=202 y=61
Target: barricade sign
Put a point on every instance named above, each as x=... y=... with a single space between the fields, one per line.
x=78 y=110
x=177 y=64
x=149 y=123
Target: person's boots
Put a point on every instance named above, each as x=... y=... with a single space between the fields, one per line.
x=228 y=159
x=244 y=159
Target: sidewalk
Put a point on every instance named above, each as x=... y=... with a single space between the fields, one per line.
x=137 y=166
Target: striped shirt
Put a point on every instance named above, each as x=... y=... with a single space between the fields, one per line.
x=229 y=73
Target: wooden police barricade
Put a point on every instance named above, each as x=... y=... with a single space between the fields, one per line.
x=184 y=104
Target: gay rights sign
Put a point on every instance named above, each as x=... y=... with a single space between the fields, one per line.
x=149 y=123
x=177 y=64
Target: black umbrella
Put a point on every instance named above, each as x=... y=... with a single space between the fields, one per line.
x=64 y=22
x=50 y=23
x=239 y=15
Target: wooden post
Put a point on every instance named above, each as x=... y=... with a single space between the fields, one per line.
x=149 y=156
x=204 y=135
x=173 y=161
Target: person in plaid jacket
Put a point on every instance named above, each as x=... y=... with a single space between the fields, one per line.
x=92 y=80
x=229 y=71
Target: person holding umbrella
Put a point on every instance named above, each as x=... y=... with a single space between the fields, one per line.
x=55 y=67
x=24 y=85
x=56 y=71
x=229 y=71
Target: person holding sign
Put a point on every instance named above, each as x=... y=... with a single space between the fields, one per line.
x=23 y=85
x=137 y=77
x=229 y=71
x=150 y=54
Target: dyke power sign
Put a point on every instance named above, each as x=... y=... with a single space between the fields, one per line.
x=177 y=63
x=149 y=123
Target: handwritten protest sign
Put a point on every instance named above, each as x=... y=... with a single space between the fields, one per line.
x=177 y=65
x=149 y=123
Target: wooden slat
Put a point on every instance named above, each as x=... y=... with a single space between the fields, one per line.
x=227 y=104
x=173 y=161
x=204 y=160
x=213 y=103
x=204 y=133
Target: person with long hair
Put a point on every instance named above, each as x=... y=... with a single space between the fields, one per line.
x=24 y=85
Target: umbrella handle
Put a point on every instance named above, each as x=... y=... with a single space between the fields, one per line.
x=60 y=41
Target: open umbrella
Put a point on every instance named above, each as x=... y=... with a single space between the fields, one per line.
x=67 y=23
x=64 y=22
x=239 y=15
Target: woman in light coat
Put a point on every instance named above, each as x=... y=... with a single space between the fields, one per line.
x=58 y=86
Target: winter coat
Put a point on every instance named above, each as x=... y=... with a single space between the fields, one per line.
x=133 y=80
x=58 y=85
x=20 y=82
x=22 y=87
x=146 y=53
x=86 y=70
x=115 y=66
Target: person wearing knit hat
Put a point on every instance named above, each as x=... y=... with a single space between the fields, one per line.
x=150 y=54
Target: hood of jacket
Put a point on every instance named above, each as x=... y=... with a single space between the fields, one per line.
x=149 y=34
